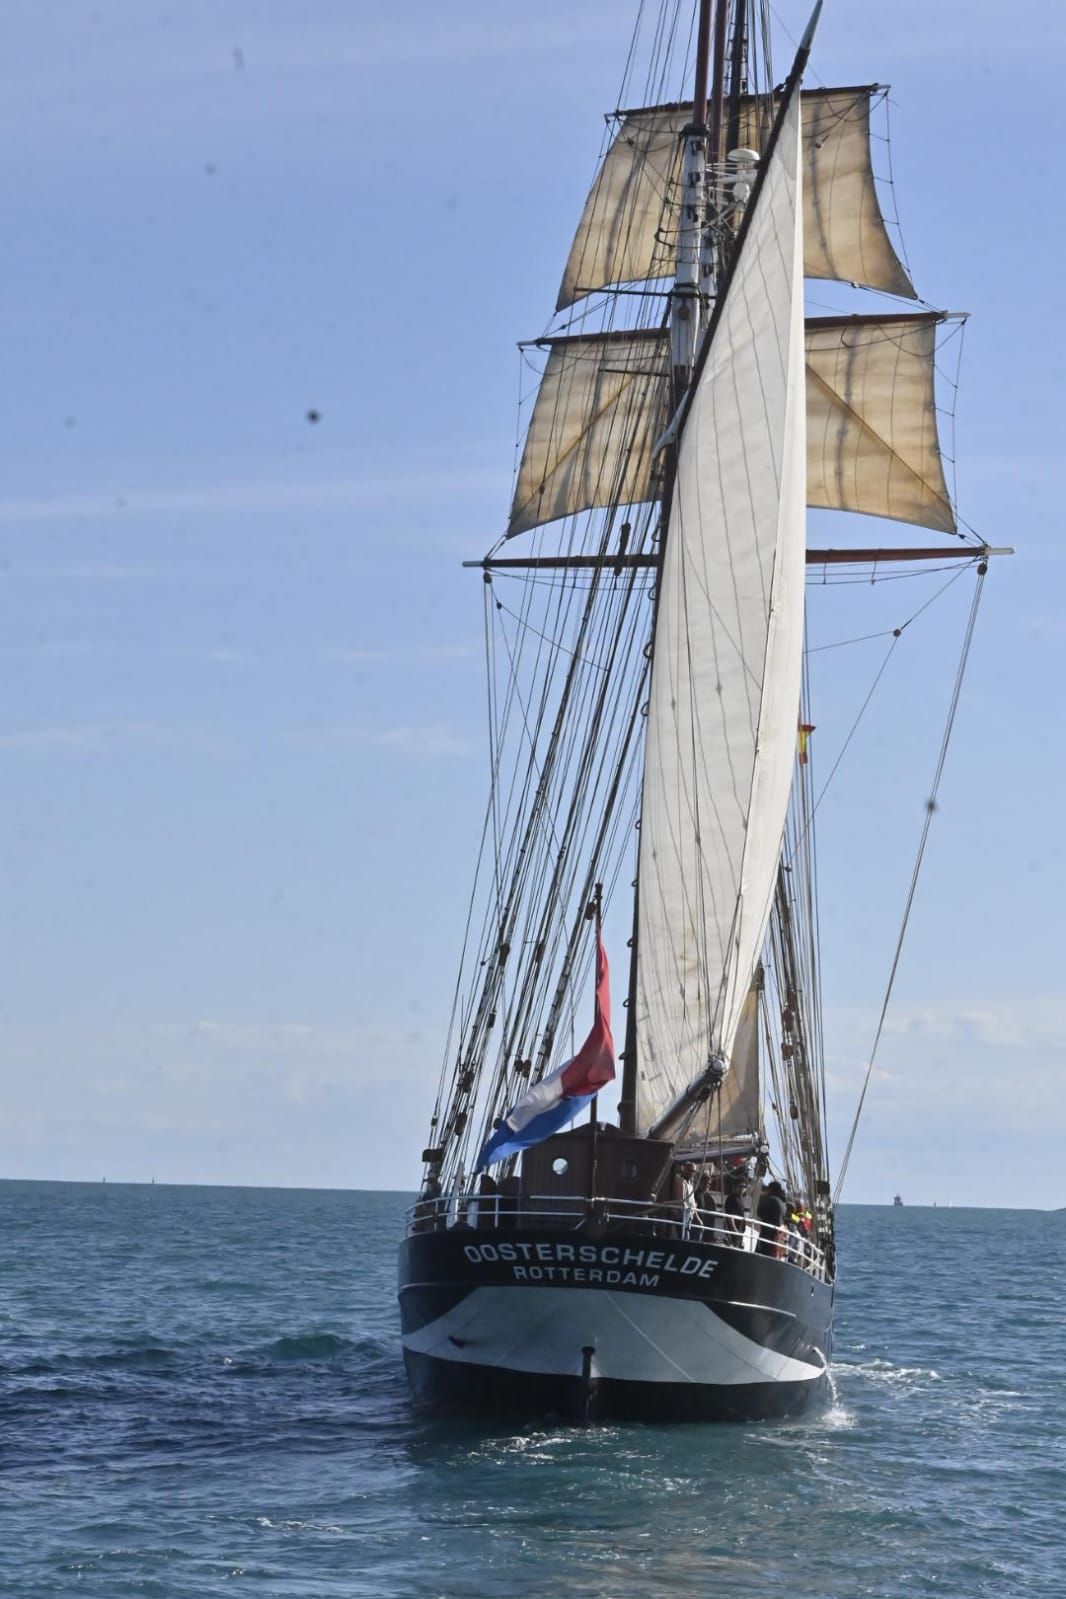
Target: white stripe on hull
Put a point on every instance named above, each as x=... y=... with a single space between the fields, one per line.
x=636 y=1338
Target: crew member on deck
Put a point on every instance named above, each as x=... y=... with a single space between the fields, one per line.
x=687 y=1173
x=426 y=1215
x=736 y=1224
x=773 y=1216
x=708 y=1199
x=799 y=1226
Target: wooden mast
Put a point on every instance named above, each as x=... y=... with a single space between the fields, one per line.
x=687 y=297
x=737 y=74
x=686 y=320
x=721 y=24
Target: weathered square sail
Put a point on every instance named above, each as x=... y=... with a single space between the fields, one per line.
x=599 y=410
x=628 y=228
x=872 y=437
x=872 y=443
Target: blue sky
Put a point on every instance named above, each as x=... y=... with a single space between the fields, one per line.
x=241 y=739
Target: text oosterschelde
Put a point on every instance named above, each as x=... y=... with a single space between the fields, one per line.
x=588 y=1263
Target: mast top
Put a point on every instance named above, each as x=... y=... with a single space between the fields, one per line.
x=703 y=50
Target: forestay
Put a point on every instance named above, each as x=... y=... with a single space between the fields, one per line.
x=872 y=441
x=725 y=691
x=628 y=229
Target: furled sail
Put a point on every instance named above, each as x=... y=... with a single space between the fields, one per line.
x=628 y=229
x=872 y=441
x=725 y=688
x=733 y=1116
x=736 y=1109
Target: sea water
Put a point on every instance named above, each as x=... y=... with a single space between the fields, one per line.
x=201 y=1394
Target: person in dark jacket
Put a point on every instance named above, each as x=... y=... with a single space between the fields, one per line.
x=736 y=1211
x=773 y=1217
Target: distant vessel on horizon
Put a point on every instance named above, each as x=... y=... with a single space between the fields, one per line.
x=898 y=1200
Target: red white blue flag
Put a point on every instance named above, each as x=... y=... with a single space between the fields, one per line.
x=564 y=1093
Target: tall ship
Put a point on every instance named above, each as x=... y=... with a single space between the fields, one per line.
x=647 y=1232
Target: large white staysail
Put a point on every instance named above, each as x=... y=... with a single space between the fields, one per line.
x=725 y=691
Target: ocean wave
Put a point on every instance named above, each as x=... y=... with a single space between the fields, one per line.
x=316 y=1346
x=147 y=1354
x=837 y=1419
x=133 y=1356
x=150 y=1355
x=885 y=1372
x=836 y=1415
x=313 y=1348
x=293 y=1524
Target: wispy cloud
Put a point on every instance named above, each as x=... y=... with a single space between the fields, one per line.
x=255 y=494
x=997 y=1057
x=257 y=1035
x=212 y=655
x=356 y=657
x=89 y=572
x=1032 y=1024
x=431 y=741
x=1034 y=1021
x=274 y=1036
x=220 y=1082
x=61 y=649
x=297 y=1061
x=68 y=649
x=424 y=654
x=99 y=738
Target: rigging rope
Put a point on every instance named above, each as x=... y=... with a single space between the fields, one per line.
x=930 y=811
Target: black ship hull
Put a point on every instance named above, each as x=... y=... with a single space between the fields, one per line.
x=628 y=1326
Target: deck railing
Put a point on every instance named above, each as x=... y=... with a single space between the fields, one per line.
x=670 y=1219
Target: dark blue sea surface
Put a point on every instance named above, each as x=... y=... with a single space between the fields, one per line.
x=201 y=1394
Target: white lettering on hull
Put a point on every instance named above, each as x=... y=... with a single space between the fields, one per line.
x=585 y=1274
x=594 y=1263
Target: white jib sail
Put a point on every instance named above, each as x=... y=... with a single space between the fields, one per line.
x=725 y=690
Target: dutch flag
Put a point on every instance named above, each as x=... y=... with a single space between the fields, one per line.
x=559 y=1097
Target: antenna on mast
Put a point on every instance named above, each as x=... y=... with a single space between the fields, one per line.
x=686 y=299
x=738 y=73
x=703 y=52
x=721 y=23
